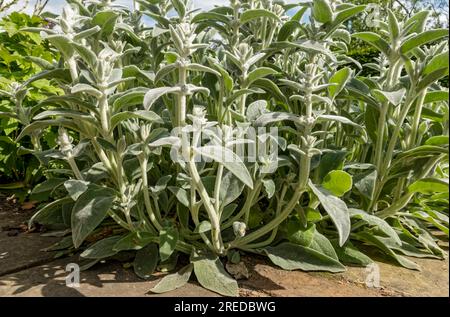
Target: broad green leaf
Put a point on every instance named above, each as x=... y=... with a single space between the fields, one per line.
x=297 y=234
x=173 y=281
x=106 y=20
x=340 y=119
x=211 y=274
x=201 y=68
x=437 y=62
x=86 y=54
x=272 y=117
x=394 y=97
x=256 y=109
x=422 y=39
x=203 y=227
x=321 y=244
x=168 y=238
x=269 y=187
x=432 y=78
x=227 y=79
x=86 y=33
x=336 y=209
x=89 y=211
x=375 y=40
x=330 y=161
x=271 y=88
x=146 y=115
x=423 y=150
x=428 y=186
x=38 y=125
x=249 y=15
x=101 y=249
x=154 y=94
x=230 y=160
x=48 y=185
x=42 y=63
x=374 y=240
x=436 y=96
x=438 y=140
x=45 y=212
x=322 y=11
x=394 y=28
x=290 y=257
x=181 y=195
x=440 y=223
x=287 y=30
x=145 y=261
x=164 y=71
x=161 y=184
x=66 y=113
x=340 y=78
x=417 y=21
x=343 y=16
x=351 y=255
x=179 y=7
x=129 y=99
x=88 y=89
x=75 y=188
x=135 y=241
x=205 y=16
x=360 y=91
x=259 y=73
x=338 y=182
x=373 y=220
x=62 y=43
x=230 y=189
x=365 y=182
x=315 y=47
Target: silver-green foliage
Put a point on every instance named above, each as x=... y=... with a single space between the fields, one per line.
x=361 y=159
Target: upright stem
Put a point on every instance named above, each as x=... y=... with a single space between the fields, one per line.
x=217 y=186
x=148 y=203
x=181 y=111
x=73 y=69
x=416 y=119
x=404 y=200
x=213 y=216
x=303 y=174
x=104 y=115
x=392 y=76
x=74 y=167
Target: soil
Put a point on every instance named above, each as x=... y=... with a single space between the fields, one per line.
x=25 y=270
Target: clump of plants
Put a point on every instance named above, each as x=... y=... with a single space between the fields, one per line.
x=243 y=130
x=20 y=171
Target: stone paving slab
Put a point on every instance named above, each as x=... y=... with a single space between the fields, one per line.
x=20 y=250
x=101 y=280
x=432 y=280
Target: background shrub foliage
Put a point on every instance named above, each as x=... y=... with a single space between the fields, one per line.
x=19 y=169
x=363 y=160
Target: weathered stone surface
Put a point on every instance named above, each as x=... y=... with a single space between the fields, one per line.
x=432 y=280
x=20 y=250
x=102 y=280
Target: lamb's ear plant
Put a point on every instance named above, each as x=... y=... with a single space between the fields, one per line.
x=165 y=142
